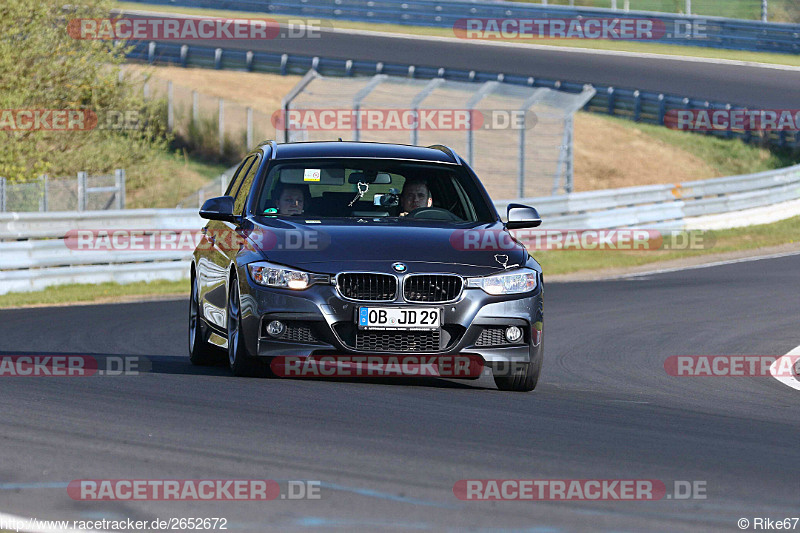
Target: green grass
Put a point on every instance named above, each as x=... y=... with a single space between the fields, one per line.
x=640 y=47
x=204 y=168
x=731 y=240
x=167 y=178
x=729 y=157
x=87 y=293
x=779 y=10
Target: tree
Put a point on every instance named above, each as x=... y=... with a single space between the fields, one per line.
x=43 y=67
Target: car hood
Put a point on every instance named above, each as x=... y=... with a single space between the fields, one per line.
x=330 y=246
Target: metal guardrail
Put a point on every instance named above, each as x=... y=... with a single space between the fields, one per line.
x=668 y=206
x=34 y=255
x=42 y=258
x=717 y=32
x=639 y=106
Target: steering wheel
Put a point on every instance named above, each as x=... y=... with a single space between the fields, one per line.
x=434 y=213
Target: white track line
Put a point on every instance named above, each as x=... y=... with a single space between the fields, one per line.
x=18 y=523
x=483 y=42
x=789 y=360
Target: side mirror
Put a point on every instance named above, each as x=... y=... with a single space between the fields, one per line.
x=522 y=216
x=219 y=208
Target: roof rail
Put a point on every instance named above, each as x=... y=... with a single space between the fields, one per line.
x=446 y=149
x=273 y=145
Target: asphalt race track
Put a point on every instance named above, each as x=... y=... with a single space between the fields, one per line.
x=387 y=454
x=768 y=88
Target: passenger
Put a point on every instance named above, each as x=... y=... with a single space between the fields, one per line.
x=291 y=199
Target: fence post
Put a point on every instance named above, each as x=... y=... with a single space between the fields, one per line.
x=195 y=107
x=43 y=201
x=614 y=4
x=119 y=178
x=284 y=61
x=688 y=7
x=82 y=191
x=476 y=97
x=249 y=127
x=611 y=101
x=221 y=126
x=764 y=17
x=170 y=108
x=2 y=195
x=570 y=156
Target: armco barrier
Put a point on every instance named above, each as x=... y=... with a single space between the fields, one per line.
x=640 y=106
x=33 y=254
x=710 y=32
x=670 y=205
x=42 y=259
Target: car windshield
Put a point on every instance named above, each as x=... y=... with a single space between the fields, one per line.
x=363 y=188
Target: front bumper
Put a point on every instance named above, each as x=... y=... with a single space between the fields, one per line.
x=321 y=322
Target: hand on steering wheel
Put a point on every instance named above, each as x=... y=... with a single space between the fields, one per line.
x=434 y=213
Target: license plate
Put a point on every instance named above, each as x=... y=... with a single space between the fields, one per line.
x=399 y=318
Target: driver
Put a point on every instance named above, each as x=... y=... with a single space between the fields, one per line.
x=415 y=195
x=291 y=199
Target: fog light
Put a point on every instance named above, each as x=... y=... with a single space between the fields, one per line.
x=276 y=328
x=513 y=334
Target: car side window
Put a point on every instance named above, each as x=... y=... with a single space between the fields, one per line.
x=233 y=186
x=244 y=188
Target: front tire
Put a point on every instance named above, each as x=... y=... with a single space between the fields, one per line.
x=517 y=377
x=242 y=365
x=200 y=352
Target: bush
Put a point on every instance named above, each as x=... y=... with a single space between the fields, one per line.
x=43 y=67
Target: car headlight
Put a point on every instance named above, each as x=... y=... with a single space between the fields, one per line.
x=513 y=282
x=281 y=277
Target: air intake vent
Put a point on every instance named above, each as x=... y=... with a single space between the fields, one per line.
x=432 y=288
x=398 y=342
x=367 y=287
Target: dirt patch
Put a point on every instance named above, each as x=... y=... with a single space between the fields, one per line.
x=259 y=91
x=610 y=155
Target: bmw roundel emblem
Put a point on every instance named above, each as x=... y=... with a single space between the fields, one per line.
x=399 y=267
